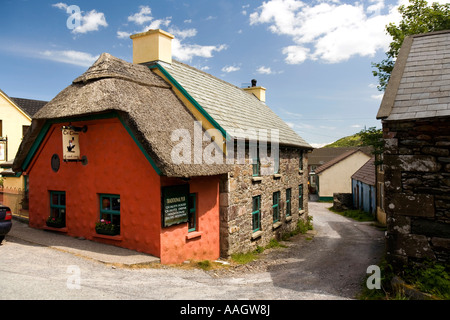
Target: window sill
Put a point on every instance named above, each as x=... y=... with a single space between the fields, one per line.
x=300 y=212
x=256 y=179
x=276 y=225
x=63 y=230
x=300 y=171
x=277 y=176
x=257 y=235
x=288 y=218
x=104 y=236
x=193 y=235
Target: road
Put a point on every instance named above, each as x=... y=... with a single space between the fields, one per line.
x=329 y=265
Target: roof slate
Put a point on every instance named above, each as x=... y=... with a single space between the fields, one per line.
x=232 y=107
x=420 y=86
x=366 y=173
x=29 y=106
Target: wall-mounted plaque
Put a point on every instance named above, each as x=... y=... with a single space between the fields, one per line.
x=175 y=201
x=71 y=146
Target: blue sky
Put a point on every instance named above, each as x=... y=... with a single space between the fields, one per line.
x=313 y=57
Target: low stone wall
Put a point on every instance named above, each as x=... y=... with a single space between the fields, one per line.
x=342 y=201
x=417 y=190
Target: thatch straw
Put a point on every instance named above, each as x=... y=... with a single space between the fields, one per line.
x=144 y=100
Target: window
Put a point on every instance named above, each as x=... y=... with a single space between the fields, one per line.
x=192 y=216
x=256 y=213
x=276 y=206
x=256 y=165
x=300 y=197
x=288 y=202
x=110 y=208
x=57 y=208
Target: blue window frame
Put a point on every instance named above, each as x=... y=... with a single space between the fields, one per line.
x=300 y=197
x=192 y=217
x=288 y=202
x=256 y=213
x=110 y=208
x=276 y=206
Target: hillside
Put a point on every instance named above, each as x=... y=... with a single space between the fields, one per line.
x=350 y=141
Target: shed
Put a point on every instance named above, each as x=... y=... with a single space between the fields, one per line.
x=363 y=187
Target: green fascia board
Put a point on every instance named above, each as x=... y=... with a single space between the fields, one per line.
x=100 y=116
x=189 y=97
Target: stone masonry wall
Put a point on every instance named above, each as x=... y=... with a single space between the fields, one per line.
x=236 y=192
x=417 y=190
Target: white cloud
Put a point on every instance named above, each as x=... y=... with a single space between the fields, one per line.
x=185 y=52
x=180 y=50
x=377 y=96
x=228 y=69
x=143 y=16
x=123 y=34
x=73 y=57
x=264 y=70
x=60 y=5
x=328 y=31
x=90 y=21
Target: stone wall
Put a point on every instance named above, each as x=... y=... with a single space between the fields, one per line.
x=239 y=187
x=417 y=190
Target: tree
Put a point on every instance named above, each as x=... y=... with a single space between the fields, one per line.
x=373 y=137
x=417 y=18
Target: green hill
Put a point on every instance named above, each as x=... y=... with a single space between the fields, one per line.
x=350 y=141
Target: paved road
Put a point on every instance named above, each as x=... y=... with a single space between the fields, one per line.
x=330 y=266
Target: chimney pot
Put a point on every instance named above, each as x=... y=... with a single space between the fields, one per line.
x=253 y=83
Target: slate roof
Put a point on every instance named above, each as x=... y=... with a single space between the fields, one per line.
x=366 y=173
x=321 y=156
x=231 y=107
x=419 y=86
x=335 y=160
x=29 y=106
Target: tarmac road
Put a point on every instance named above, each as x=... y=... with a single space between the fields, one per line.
x=328 y=265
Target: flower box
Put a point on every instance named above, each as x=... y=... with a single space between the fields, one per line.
x=105 y=227
x=55 y=222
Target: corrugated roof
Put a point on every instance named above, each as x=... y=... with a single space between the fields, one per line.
x=231 y=107
x=366 y=173
x=420 y=82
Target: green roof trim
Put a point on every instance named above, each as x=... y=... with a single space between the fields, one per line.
x=189 y=97
x=100 y=116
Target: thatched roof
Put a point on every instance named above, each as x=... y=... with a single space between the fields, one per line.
x=145 y=102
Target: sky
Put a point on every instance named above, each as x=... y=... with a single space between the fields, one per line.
x=313 y=57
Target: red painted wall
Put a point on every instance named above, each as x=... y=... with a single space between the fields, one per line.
x=117 y=166
x=177 y=244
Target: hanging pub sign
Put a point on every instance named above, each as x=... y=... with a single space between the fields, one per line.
x=71 y=146
x=175 y=204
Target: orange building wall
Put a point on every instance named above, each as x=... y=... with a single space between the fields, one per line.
x=177 y=244
x=117 y=166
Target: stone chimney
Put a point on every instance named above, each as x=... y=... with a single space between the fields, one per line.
x=152 y=46
x=259 y=92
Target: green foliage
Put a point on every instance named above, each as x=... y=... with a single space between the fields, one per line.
x=430 y=277
x=350 y=141
x=417 y=18
x=357 y=214
x=205 y=265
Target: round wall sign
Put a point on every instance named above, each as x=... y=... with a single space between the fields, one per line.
x=55 y=162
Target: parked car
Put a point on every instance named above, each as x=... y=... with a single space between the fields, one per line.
x=5 y=221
